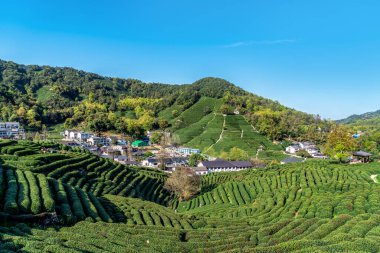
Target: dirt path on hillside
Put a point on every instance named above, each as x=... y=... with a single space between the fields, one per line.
x=374 y=178
x=220 y=136
x=254 y=129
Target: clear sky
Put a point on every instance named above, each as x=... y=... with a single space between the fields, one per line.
x=318 y=56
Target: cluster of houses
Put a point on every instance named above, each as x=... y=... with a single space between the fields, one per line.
x=85 y=137
x=202 y=168
x=309 y=147
x=11 y=130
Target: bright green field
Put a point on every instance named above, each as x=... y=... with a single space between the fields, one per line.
x=107 y=207
x=198 y=110
x=238 y=133
x=44 y=93
x=205 y=134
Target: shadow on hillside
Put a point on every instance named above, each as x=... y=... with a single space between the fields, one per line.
x=6 y=242
x=208 y=188
x=113 y=210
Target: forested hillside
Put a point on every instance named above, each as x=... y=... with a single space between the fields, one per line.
x=369 y=121
x=43 y=95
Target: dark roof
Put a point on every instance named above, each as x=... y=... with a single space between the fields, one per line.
x=226 y=164
x=242 y=164
x=168 y=160
x=131 y=163
x=292 y=159
x=178 y=159
x=200 y=168
x=361 y=153
x=152 y=160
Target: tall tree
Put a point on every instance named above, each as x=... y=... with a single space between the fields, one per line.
x=340 y=143
x=184 y=183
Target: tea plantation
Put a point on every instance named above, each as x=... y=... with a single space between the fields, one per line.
x=70 y=201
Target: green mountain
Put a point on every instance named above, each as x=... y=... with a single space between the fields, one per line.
x=71 y=201
x=368 y=122
x=362 y=117
x=193 y=113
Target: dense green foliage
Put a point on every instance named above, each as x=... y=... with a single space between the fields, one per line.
x=42 y=95
x=312 y=206
x=368 y=125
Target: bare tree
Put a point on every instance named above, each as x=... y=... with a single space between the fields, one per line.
x=163 y=155
x=184 y=183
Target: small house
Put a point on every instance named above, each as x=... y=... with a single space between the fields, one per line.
x=139 y=143
x=292 y=159
x=362 y=156
x=200 y=171
x=83 y=136
x=187 y=151
x=150 y=162
x=293 y=149
x=99 y=141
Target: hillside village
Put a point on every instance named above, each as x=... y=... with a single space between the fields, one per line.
x=142 y=153
x=135 y=154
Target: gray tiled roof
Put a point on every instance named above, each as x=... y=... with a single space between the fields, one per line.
x=292 y=159
x=226 y=164
x=361 y=153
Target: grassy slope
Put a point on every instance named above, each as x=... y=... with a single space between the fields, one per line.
x=198 y=110
x=167 y=113
x=237 y=133
x=43 y=94
x=306 y=207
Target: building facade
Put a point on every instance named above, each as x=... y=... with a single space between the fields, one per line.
x=188 y=151
x=11 y=130
x=96 y=141
x=223 y=166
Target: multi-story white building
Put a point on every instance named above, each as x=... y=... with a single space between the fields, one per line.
x=95 y=141
x=188 y=151
x=11 y=130
x=77 y=135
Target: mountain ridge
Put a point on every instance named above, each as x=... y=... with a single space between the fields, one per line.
x=356 y=117
x=43 y=95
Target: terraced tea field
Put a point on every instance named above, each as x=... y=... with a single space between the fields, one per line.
x=99 y=206
x=216 y=133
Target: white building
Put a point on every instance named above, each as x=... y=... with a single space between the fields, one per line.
x=77 y=135
x=11 y=130
x=187 y=151
x=201 y=171
x=96 y=141
x=222 y=165
x=83 y=136
x=150 y=162
x=293 y=149
x=170 y=163
x=307 y=146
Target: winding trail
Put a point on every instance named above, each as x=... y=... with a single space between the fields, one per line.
x=374 y=178
x=220 y=136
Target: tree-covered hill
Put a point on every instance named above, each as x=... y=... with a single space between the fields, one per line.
x=368 y=122
x=362 y=117
x=44 y=95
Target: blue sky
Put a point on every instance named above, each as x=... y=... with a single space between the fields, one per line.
x=318 y=56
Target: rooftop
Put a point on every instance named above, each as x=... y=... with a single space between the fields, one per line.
x=292 y=159
x=362 y=153
x=226 y=164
